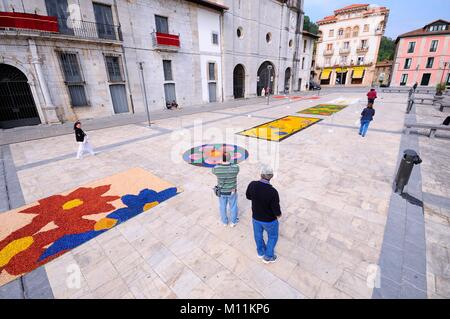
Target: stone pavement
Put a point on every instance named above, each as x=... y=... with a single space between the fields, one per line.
x=335 y=190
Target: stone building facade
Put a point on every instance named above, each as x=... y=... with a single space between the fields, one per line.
x=348 y=47
x=307 y=62
x=81 y=59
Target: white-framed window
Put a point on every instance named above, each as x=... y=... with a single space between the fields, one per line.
x=434 y=45
x=366 y=28
x=404 y=79
x=408 y=62
x=430 y=62
x=360 y=60
x=331 y=33
x=411 y=47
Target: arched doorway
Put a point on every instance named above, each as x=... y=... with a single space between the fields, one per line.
x=239 y=81
x=263 y=77
x=287 y=80
x=17 y=107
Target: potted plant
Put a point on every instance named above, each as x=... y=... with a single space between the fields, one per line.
x=440 y=88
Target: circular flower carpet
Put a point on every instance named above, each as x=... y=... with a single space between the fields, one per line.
x=209 y=155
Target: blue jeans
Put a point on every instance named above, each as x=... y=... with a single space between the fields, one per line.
x=271 y=228
x=224 y=200
x=364 y=127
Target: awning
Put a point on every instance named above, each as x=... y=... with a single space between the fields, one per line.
x=358 y=72
x=341 y=70
x=325 y=74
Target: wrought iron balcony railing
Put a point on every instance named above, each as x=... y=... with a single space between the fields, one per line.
x=328 y=52
x=362 y=49
x=46 y=25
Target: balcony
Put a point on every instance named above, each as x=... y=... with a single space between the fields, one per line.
x=328 y=52
x=26 y=21
x=12 y=23
x=166 y=42
x=344 y=51
x=363 y=49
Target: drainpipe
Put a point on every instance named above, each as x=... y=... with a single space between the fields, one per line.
x=49 y=108
x=279 y=49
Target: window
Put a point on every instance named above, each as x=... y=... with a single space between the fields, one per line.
x=404 y=79
x=304 y=45
x=329 y=46
x=366 y=28
x=59 y=9
x=348 y=32
x=114 y=69
x=363 y=44
x=346 y=45
x=341 y=32
x=211 y=71
x=430 y=62
x=73 y=79
x=411 y=46
x=425 y=79
x=343 y=59
x=268 y=37
x=438 y=27
x=355 y=31
x=162 y=24
x=239 y=32
x=167 y=66
x=303 y=63
x=104 y=19
x=215 y=38
x=327 y=61
x=360 y=60
x=407 y=63
x=290 y=43
x=331 y=33
x=448 y=79
x=434 y=45
x=212 y=85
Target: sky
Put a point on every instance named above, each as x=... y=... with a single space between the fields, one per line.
x=404 y=15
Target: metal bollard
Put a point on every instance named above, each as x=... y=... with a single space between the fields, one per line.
x=410 y=158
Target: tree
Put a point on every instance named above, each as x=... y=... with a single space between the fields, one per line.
x=387 y=49
x=310 y=26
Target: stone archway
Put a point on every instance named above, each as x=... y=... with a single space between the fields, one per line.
x=263 y=77
x=17 y=105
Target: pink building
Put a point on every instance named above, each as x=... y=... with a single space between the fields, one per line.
x=423 y=56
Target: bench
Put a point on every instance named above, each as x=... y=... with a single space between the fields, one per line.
x=426 y=91
x=432 y=127
x=444 y=104
x=394 y=90
x=433 y=99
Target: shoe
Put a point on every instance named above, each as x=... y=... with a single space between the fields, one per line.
x=267 y=260
x=260 y=256
x=224 y=225
x=233 y=224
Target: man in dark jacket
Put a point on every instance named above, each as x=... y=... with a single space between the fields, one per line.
x=366 y=117
x=265 y=212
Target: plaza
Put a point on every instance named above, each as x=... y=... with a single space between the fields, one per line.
x=344 y=233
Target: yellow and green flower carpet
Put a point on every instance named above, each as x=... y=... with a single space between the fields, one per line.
x=281 y=128
x=323 y=109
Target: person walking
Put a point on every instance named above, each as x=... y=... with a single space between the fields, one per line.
x=82 y=139
x=415 y=86
x=371 y=96
x=265 y=213
x=366 y=117
x=226 y=174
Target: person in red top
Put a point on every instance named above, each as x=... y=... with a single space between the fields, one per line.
x=371 y=96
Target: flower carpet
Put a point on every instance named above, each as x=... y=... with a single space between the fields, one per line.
x=37 y=233
x=209 y=155
x=323 y=109
x=281 y=128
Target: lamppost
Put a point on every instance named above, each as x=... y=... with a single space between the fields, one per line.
x=269 y=69
x=145 y=91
